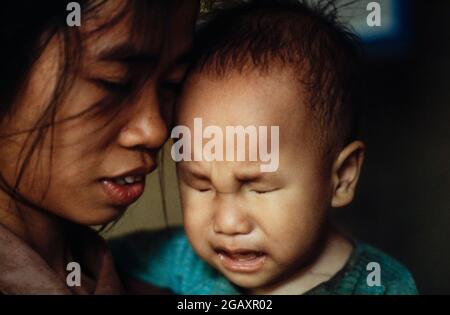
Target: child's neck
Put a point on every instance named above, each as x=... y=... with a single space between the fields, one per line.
x=330 y=260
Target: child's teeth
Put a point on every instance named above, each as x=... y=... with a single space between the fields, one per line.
x=243 y=257
x=129 y=179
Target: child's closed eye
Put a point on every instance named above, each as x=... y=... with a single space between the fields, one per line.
x=204 y=189
x=198 y=185
x=261 y=187
x=264 y=191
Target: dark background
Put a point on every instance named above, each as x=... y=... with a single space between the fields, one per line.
x=403 y=202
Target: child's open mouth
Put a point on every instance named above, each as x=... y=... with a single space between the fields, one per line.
x=241 y=260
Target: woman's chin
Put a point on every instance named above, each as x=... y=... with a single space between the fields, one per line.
x=99 y=216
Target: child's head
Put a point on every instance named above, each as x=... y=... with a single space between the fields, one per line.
x=270 y=63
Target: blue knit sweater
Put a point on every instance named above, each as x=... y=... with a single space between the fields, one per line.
x=167 y=260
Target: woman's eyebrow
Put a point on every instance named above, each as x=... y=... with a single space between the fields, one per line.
x=128 y=54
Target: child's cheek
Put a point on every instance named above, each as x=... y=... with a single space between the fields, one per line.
x=195 y=216
x=196 y=229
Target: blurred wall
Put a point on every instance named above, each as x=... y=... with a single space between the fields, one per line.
x=403 y=203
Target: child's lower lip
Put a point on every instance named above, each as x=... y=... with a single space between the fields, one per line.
x=245 y=265
x=123 y=195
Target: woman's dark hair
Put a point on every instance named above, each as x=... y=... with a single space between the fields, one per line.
x=26 y=28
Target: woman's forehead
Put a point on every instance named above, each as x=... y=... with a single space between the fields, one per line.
x=112 y=25
x=140 y=29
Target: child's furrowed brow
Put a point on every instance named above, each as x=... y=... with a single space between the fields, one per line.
x=250 y=177
x=198 y=175
x=259 y=177
x=193 y=172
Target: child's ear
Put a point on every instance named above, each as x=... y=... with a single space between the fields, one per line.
x=346 y=170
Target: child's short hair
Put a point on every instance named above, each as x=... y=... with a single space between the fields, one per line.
x=243 y=35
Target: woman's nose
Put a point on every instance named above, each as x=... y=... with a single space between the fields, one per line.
x=230 y=220
x=146 y=127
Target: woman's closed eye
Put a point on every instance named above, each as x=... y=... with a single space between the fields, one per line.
x=173 y=86
x=174 y=78
x=115 y=86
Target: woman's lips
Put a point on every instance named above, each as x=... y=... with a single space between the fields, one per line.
x=123 y=194
x=246 y=261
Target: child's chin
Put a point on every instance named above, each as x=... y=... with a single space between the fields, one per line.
x=248 y=281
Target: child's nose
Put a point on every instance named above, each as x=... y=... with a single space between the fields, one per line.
x=230 y=219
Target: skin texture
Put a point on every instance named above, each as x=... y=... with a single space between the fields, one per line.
x=283 y=214
x=82 y=154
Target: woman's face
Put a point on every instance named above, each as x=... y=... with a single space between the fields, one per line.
x=98 y=163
